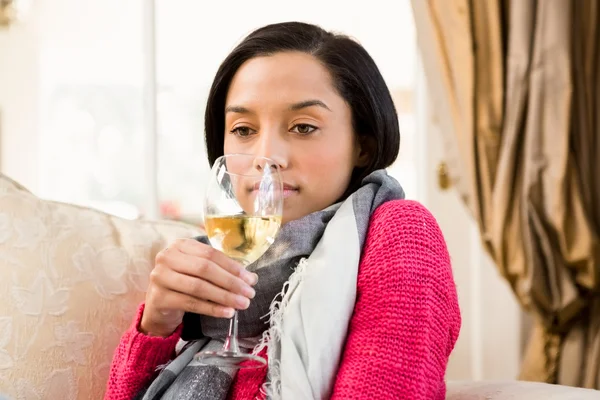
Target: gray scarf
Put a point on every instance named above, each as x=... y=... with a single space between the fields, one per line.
x=183 y=378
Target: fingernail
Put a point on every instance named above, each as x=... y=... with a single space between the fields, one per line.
x=228 y=312
x=248 y=292
x=251 y=278
x=242 y=302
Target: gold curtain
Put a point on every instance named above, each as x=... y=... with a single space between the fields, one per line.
x=515 y=88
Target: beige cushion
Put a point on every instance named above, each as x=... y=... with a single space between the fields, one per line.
x=516 y=390
x=71 y=279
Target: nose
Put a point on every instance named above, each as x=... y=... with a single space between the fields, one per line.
x=272 y=145
x=261 y=163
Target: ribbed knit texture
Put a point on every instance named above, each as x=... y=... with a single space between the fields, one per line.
x=136 y=359
x=404 y=326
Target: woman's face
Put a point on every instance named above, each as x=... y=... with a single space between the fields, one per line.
x=284 y=107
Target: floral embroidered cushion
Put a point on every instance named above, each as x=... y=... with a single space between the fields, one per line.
x=71 y=279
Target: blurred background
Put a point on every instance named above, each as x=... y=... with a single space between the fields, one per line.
x=102 y=104
x=89 y=88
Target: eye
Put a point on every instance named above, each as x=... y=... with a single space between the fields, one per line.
x=241 y=131
x=304 y=129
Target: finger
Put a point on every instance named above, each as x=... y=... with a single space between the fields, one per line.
x=208 y=270
x=180 y=301
x=194 y=248
x=202 y=290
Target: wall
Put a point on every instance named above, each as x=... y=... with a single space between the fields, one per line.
x=19 y=89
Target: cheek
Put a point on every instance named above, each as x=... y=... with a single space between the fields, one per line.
x=230 y=146
x=329 y=168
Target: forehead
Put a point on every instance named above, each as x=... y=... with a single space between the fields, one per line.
x=282 y=77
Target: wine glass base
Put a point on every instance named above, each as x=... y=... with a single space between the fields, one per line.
x=230 y=359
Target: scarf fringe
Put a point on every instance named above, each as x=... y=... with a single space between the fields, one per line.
x=271 y=389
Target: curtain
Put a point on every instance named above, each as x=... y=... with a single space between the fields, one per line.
x=515 y=88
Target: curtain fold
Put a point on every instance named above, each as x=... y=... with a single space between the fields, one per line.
x=516 y=92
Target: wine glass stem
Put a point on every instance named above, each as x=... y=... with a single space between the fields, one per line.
x=231 y=343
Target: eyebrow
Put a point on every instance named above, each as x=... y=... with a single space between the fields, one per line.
x=293 y=107
x=308 y=103
x=237 y=109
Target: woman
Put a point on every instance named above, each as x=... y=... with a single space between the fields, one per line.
x=316 y=104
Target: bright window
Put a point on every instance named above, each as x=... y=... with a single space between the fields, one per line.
x=94 y=138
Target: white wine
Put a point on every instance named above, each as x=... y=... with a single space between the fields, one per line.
x=242 y=237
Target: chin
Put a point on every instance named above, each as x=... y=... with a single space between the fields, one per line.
x=291 y=214
x=294 y=213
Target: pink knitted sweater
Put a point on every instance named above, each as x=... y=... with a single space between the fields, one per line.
x=405 y=322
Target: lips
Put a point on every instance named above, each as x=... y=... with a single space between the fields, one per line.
x=288 y=190
x=286 y=186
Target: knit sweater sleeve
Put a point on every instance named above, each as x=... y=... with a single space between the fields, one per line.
x=406 y=318
x=135 y=360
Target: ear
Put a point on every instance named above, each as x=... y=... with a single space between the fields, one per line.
x=365 y=149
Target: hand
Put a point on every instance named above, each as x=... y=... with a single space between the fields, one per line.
x=190 y=276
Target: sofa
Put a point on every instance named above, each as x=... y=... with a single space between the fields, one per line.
x=71 y=279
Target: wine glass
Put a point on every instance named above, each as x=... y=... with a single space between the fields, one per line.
x=242 y=214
